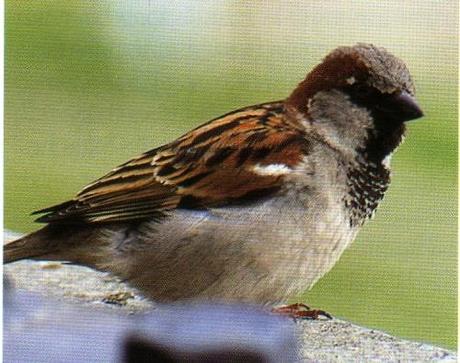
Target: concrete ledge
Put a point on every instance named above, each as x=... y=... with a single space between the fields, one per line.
x=321 y=341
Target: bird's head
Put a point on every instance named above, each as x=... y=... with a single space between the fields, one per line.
x=358 y=98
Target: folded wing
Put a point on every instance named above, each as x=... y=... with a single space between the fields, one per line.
x=236 y=158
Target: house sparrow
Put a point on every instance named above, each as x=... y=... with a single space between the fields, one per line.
x=253 y=206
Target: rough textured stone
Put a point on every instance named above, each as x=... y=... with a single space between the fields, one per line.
x=321 y=341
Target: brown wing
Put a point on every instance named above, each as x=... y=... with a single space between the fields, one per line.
x=210 y=166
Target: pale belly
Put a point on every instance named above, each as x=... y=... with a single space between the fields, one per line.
x=265 y=255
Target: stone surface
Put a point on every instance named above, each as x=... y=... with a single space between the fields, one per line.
x=39 y=329
x=320 y=341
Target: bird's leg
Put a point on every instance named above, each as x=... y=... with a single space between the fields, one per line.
x=300 y=311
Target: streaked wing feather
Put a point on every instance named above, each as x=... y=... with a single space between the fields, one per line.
x=205 y=167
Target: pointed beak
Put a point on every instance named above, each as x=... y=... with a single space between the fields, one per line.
x=408 y=105
x=402 y=107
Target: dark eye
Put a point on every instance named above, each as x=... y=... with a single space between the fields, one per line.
x=362 y=92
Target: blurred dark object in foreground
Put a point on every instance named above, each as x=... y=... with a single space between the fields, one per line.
x=37 y=329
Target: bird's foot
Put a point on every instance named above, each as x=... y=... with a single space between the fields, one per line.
x=301 y=311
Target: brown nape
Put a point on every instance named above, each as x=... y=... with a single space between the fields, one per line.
x=333 y=72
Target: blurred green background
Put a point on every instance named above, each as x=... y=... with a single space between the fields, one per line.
x=91 y=84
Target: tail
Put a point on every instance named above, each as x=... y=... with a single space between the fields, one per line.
x=33 y=245
x=52 y=242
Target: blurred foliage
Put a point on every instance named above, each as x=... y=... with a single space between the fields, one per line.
x=91 y=84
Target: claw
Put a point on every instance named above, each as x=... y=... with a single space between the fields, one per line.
x=301 y=311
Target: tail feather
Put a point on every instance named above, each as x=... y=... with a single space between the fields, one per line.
x=32 y=245
x=53 y=242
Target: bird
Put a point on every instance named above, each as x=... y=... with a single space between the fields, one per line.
x=254 y=206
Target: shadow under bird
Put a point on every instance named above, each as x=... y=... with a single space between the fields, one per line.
x=254 y=206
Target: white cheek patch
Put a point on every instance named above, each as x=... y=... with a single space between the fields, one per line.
x=272 y=169
x=387 y=160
